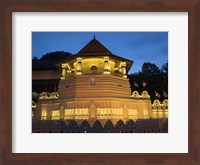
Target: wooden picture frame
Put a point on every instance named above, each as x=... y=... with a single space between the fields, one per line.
x=9 y=6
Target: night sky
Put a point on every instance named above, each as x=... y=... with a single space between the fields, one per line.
x=137 y=46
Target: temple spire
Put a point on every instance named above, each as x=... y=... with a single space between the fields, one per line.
x=94 y=37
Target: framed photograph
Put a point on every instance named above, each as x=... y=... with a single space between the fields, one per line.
x=98 y=82
x=95 y=90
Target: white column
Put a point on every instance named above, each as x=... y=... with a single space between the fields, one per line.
x=63 y=71
x=106 y=65
x=78 y=67
x=123 y=67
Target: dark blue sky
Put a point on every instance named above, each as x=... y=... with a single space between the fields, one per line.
x=137 y=46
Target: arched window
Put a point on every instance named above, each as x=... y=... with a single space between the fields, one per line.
x=93 y=69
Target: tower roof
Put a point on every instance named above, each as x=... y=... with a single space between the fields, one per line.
x=95 y=49
x=94 y=46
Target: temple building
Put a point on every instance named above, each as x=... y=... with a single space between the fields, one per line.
x=94 y=86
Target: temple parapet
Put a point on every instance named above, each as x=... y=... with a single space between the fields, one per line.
x=48 y=96
x=144 y=95
x=160 y=110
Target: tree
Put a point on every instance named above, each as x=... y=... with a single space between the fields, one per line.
x=35 y=58
x=150 y=69
x=164 y=68
x=55 y=55
x=155 y=79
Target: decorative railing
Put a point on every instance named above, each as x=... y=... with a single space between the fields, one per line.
x=71 y=126
x=48 y=96
x=144 y=95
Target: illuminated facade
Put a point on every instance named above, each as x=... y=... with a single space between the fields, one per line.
x=94 y=86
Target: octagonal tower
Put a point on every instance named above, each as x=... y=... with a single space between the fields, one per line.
x=94 y=72
x=94 y=85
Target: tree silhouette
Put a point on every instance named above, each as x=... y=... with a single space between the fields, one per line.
x=150 y=69
x=152 y=79
x=55 y=55
x=35 y=58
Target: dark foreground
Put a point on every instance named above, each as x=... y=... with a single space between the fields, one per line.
x=140 y=126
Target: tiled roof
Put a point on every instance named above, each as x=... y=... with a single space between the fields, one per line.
x=94 y=46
